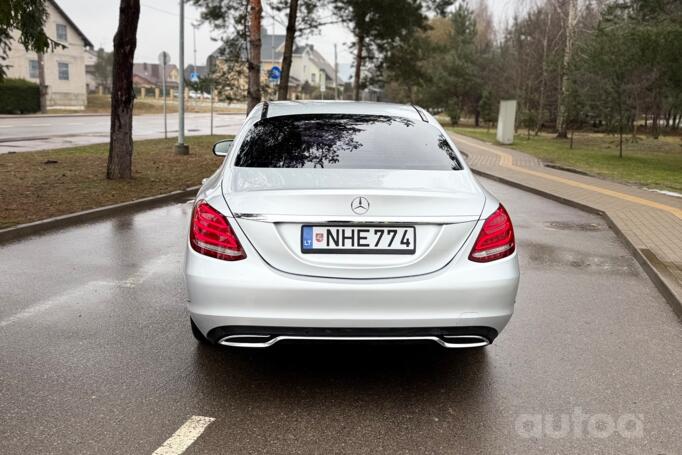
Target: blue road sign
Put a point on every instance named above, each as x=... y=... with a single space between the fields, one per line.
x=194 y=76
x=275 y=73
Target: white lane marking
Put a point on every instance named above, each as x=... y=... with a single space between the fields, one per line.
x=69 y=296
x=39 y=124
x=6 y=126
x=91 y=288
x=185 y=436
x=146 y=271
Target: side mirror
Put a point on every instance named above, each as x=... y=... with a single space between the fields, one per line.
x=222 y=148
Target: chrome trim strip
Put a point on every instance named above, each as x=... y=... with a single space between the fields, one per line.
x=226 y=341
x=312 y=219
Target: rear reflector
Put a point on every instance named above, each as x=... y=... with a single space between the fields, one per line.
x=211 y=234
x=496 y=239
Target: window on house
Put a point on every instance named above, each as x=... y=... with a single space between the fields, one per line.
x=33 y=69
x=63 y=71
x=313 y=78
x=61 y=32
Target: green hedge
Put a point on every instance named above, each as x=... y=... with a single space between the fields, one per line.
x=18 y=96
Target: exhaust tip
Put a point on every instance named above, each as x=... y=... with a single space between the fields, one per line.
x=248 y=341
x=465 y=341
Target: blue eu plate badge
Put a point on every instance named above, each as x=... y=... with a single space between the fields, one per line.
x=307 y=237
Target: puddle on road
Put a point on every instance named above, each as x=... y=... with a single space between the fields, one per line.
x=548 y=256
x=581 y=227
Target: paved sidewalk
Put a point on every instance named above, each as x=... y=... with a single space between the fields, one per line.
x=650 y=223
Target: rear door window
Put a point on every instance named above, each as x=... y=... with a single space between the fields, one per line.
x=340 y=141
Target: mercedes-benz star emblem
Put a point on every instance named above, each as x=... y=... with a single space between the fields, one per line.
x=360 y=205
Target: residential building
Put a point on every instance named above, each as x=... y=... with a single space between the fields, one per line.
x=308 y=67
x=150 y=75
x=64 y=67
x=90 y=76
x=307 y=64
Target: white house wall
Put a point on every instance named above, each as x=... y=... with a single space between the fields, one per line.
x=66 y=93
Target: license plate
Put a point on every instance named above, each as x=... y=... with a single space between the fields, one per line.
x=358 y=239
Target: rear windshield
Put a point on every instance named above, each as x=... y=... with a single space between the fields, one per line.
x=339 y=141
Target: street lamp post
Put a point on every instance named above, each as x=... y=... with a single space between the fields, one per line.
x=210 y=63
x=336 y=72
x=163 y=85
x=164 y=60
x=181 y=148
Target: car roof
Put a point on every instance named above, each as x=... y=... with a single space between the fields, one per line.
x=281 y=108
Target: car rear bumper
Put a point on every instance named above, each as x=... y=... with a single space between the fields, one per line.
x=249 y=293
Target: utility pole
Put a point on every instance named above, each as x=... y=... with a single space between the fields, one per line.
x=163 y=87
x=194 y=62
x=181 y=148
x=194 y=39
x=164 y=60
x=336 y=72
x=210 y=63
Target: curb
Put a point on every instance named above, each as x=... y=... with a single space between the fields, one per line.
x=644 y=257
x=25 y=230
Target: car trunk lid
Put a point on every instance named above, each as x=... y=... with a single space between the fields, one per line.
x=272 y=206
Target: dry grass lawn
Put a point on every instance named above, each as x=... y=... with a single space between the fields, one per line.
x=39 y=185
x=646 y=162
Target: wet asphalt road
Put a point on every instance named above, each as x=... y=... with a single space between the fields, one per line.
x=97 y=356
x=25 y=134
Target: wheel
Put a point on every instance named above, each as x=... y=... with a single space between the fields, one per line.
x=197 y=333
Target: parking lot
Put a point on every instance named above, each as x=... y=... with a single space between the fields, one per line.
x=98 y=357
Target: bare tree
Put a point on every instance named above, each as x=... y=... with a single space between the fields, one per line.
x=120 y=164
x=571 y=22
x=359 y=46
x=543 y=79
x=378 y=25
x=253 y=91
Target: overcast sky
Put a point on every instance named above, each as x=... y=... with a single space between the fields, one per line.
x=159 y=23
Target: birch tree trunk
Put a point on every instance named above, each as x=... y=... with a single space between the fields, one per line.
x=541 y=106
x=562 y=113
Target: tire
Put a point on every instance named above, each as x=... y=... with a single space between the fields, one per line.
x=197 y=333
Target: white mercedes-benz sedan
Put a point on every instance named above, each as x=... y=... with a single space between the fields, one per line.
x=347 y=221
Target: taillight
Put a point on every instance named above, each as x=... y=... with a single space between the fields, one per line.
x=212 y=235
x=496 y=239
